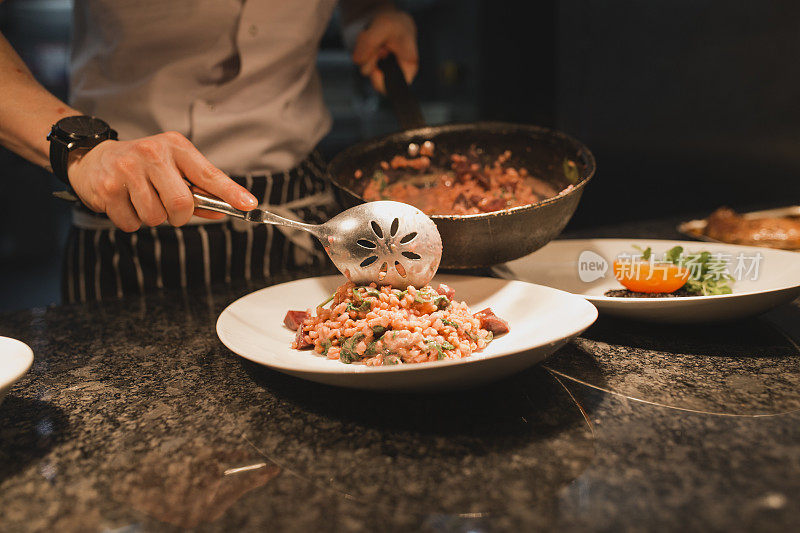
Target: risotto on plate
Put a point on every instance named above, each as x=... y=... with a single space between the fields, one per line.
x=387 y=326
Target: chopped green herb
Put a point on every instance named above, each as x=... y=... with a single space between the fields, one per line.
x=378 y=331
x=673 y=254
x=347 y=357
x=708 y=274
x=323 y=304
x=326 y=345
x=441 y=301
x=363 y=308
x=348 y=352
x=432 y=345
x=371 y=348
x=450 y=323
x=391 y=359
x=646 y=253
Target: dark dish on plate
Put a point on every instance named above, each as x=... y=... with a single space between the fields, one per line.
x=675 y=274
x=457 y=184
x=380 y=326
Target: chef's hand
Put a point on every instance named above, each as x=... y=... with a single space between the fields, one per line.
x=390 y=31
x=142 y=181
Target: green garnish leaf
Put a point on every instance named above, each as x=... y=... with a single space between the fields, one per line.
x=326 y=345
x=441 y=301
x=432 y=345
x=673 y=254
x=348 y=352
x=363 y=308
x=378 y=331
x=371 y=348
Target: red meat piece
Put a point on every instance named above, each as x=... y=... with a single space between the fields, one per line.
x=491 y=322
x=445 y=290
x=294 y=319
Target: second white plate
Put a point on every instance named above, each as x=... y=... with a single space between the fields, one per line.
x=540 y=319
x=583 y=267
x=16 y=358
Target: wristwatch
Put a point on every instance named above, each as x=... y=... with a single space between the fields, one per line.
x=75 y=133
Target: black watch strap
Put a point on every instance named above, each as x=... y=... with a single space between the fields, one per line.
x=75 y=133
x=59 y=159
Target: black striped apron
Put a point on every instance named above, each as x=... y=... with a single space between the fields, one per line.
x=102 y=262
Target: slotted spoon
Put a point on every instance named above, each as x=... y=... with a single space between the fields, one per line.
x=389 y=243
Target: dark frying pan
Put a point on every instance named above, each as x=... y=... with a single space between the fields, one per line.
x=485 y=239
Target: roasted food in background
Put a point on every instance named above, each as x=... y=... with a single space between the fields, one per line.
x=726 y=225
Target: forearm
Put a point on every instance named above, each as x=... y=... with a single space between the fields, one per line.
x=27 y=110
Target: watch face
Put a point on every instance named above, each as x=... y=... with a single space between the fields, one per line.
x=82 y=127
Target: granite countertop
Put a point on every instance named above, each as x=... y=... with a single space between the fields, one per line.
x=134 y=417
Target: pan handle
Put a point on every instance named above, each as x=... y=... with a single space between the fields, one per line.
x=405 y=105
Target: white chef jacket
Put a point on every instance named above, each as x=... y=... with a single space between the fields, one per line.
x=237 y=77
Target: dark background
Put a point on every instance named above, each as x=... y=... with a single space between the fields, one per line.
x=687 y=105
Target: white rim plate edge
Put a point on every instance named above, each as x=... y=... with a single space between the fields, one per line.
x=282 y=358
x=781 y=292
x=16 y=359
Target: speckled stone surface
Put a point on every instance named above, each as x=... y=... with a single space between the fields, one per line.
x=135 y=417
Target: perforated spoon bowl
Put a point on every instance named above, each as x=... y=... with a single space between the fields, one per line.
x=389 y=243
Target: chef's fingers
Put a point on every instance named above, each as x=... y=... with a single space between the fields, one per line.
x=173 y=192
x=120 y=210
x=199 y=171
x=404 y=47
x=367 y=45
x=147 y=204
x=375 y=74
x=376 y=78
x=114 y=194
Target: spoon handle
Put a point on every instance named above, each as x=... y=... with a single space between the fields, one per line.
x=201 y=201
x=257 y=216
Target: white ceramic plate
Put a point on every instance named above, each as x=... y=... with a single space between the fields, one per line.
x=557 y=265
x=540 y=319
x=15 y=359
